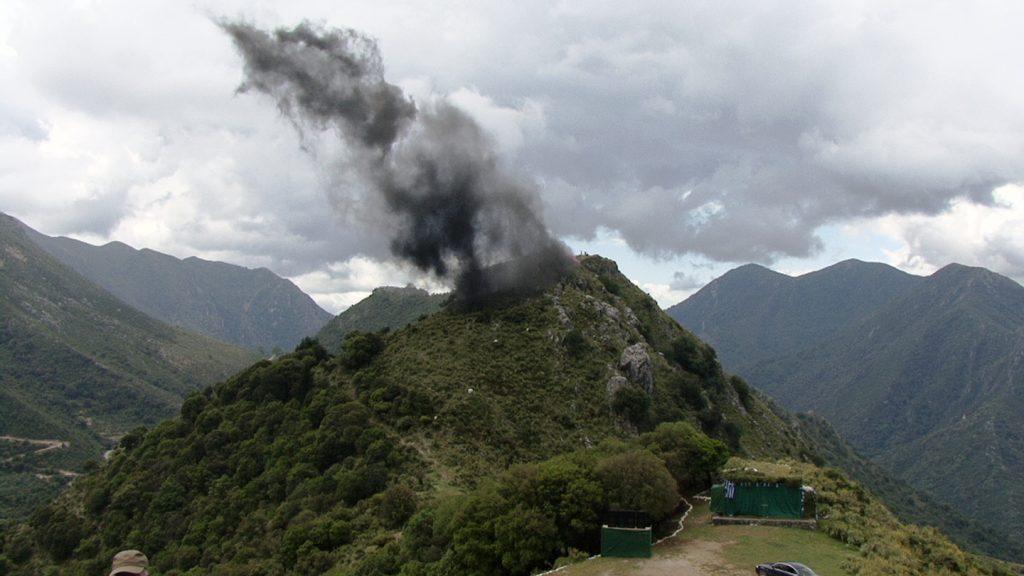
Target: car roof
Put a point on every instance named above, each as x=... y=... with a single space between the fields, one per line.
x=800 y=568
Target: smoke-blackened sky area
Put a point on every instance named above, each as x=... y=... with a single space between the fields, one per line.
x=455 y=212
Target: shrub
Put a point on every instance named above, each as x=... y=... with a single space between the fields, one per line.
x=397 y=504
x=133 y=439
x=690 y=456
x=742 y=389
x=638 y=480
x=359 y=349
x=694 y=356
x=59 y=533
x=575 y=343
x=633 y=404
x=525 y=539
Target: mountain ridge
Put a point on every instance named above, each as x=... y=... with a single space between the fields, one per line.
x=752 y=313
x=251 y=307
x=927 y=384
x=81 y=366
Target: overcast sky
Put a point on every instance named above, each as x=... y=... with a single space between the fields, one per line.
x=681 y=138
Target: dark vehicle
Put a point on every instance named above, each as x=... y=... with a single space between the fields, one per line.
x=784 y=569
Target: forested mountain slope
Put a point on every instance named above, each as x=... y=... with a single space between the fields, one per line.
x=911 y=505
x=393 y=455
x=252 y=308
x=79 y=365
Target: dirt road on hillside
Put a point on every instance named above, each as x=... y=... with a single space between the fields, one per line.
x=46 y=445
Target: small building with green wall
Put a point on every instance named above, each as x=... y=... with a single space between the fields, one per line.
x=749 y=493
x=626 y=534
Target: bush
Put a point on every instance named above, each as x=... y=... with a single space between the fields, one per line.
x=742 y=389
x=133 y=439
x=359 y=349
x=638 y=480
x=633 y=404
x=397 y=504
x=694 y=356
x=692 y=458
x=575 y=343
x=525 y=539
x=564 y=490
x=58 y=533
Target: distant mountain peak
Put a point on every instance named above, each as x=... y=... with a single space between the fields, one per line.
x=250 y=307
x=117 y=244
x=748 y=273
x=955 y=269
x=407 y=289
x=895 y=361
x=852 y=263
x=754 y=268
x=387 y=307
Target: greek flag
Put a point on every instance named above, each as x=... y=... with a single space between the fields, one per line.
x=730 y=490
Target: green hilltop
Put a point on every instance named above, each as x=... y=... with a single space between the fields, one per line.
x=386 y=308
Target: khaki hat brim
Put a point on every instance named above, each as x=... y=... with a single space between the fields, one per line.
x=128 y=570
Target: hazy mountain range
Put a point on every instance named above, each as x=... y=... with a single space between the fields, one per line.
x=80 y=366
x=250 y=307
x=925 y=375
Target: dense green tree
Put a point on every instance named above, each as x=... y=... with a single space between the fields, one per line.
x=397 y=504
x=526 y=538
x=638 y=480
x=633 y=404
x=694 y=356
x=359 y=348
x=691 y=457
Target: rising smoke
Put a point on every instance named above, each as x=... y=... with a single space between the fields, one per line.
x=459 y=215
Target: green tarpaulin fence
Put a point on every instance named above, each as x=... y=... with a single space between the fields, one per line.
x=625 y=542
x=761 y=500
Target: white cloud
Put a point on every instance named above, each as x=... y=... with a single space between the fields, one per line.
x=728 y=131
x=665 y=294
x=968 y=233
x=510 y=126
x=341 y=284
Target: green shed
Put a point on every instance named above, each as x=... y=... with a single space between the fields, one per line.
x=625 y=542
x=626 y=534
x=759 y=499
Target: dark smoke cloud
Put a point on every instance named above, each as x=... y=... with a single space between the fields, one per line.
x=459 y=215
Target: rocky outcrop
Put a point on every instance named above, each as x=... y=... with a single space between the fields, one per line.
x=615 y=383
x=635 y=363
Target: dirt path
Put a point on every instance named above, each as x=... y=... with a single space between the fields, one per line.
x=59 y=472
x=699 y=558
x=47 y=445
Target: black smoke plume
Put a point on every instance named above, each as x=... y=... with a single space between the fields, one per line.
x=458 y=214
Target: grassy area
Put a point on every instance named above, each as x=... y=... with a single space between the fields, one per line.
x=747 y=546
x=703 y=548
